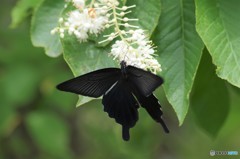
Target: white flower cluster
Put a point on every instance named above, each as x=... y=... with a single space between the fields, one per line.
x=133 y=46
x=136 y=51
x=82 y=21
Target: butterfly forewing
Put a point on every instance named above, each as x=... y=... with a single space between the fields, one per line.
x=93 y=84
x=145 y=81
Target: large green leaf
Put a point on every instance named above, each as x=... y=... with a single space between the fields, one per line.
x=84 y=57
x=43 y=21
x=218 y=24
x=23 y=9
x=148 y=13
x=179 y=49
x=210 y=99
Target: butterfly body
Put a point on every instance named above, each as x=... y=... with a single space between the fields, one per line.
x=124 y=69
x=124 y=91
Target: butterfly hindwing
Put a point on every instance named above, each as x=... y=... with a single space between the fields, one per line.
x=93 y=84
x=153 y=107
x=121 y=105
x=145 y=81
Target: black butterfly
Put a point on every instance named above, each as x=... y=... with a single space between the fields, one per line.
x=123 y=90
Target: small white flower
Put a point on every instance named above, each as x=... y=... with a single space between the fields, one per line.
x=61 y=35
x=61 y=30
x=81 y=35
x=53 y=31
x=98 y=24
x=60 y=20
x=79 y=3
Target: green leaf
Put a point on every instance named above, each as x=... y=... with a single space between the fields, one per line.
x=218 y=23
x=49 y=132
x=210 y=98
x=83 y=58
x=83 y=100
x=44 y=20
x=148 y=14
x=23 y=9
x=179 y=49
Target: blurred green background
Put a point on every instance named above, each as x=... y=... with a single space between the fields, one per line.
x=39 y=122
